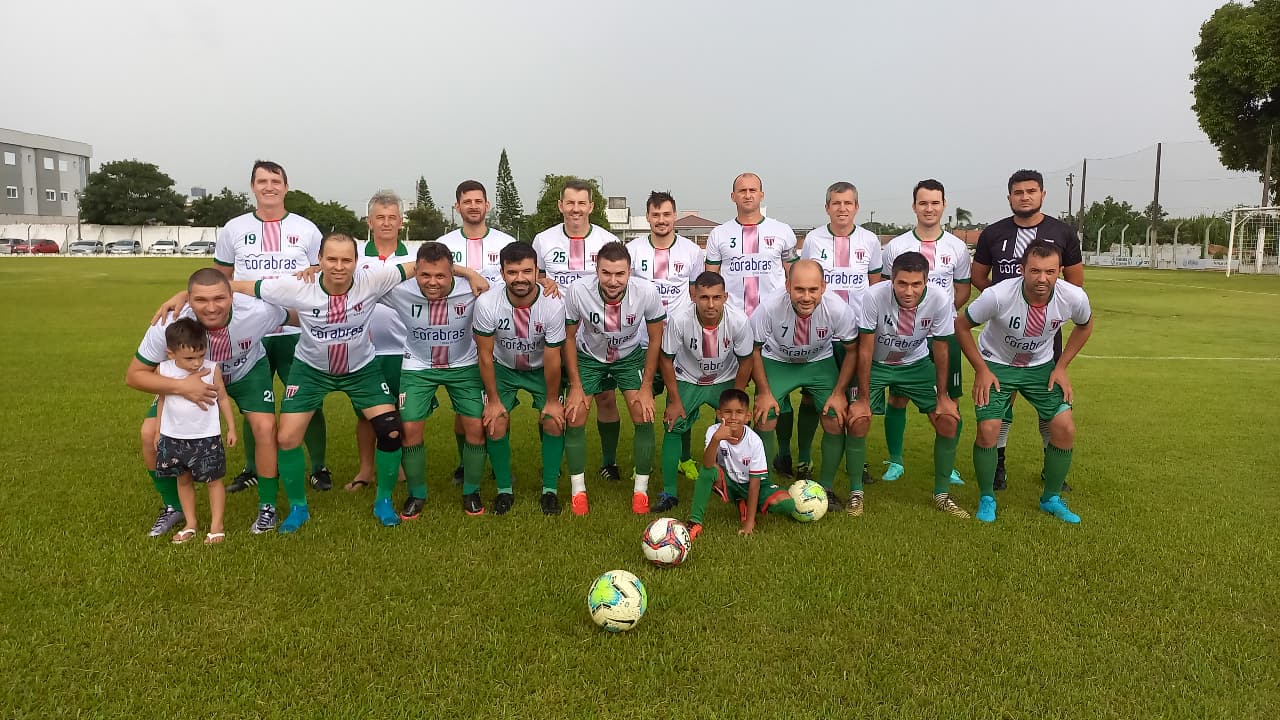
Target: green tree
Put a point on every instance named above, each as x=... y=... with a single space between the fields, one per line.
x=1237 y=83
x=426 y=220
x=1113 y=215
x=329 y=216
x=216 y=210
x=508 y=211
x=964 y=218
x=130 y=192
x=547 y=212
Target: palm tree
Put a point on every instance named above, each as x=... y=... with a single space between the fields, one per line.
x=963 y=217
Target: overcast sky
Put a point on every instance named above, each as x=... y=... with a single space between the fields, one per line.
x=354 y=96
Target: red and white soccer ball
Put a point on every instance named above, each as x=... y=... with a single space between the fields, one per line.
x=666 y=542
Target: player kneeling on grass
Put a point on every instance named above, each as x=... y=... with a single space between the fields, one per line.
x=1014 y=353
x=190 y=445
x=735 y=463
x=905 y=328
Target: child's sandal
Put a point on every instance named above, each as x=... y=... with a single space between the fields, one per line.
x=183 y=535
x=214 y=538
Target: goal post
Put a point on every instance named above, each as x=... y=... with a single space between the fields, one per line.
x=1253 y=245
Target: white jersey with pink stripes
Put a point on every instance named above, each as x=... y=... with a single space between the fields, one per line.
x=948 y=258
x=671 y=270
x=703 y=355
x=752 y=259
x=611 y=331
x=257 y=249
x=846 y=260
x=901 y=333
x=569 y=259
x=479 y=253
x=437 y=332
x=520 y=334
x=1019 y=333
x=785 y=336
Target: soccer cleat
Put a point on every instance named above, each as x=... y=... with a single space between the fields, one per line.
x=471 y=504
x=694 y=528
x=689 y=468
x=665 y=503
x=955 y=477
x=833 y=503
x=502 y=503
x=943 y=502
x=550 y=503
x=1057 y=507
x=804 y=471
x=718 y=487
x=640 y=503
x=457 y=475
x=611 y=473
x=854 y=508
x=298 y=515
x=321 y=479
x=413 y=507
x=986 y=509
x=385 y=512
x=578 y=503
x=243 y=481
x=168 y=517
x=893 y=472
x=782 y=466
x=867 y=477
x=1001 y=481
x=266 y=520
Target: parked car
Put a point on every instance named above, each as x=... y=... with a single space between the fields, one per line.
x=36 y=247
x=86 y=247
x=7 y=245
x=125 y=247
x=199 y=247
x=164 y=247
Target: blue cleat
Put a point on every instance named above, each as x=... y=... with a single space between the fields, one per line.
x=893 y=472
x=386 y=512
x=298 y=514
x=986 y=509
x=955 y=477
x=1057 y=507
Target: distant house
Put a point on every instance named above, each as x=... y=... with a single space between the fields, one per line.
x=695 y=227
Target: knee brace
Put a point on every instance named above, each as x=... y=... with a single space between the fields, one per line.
x=388 y=430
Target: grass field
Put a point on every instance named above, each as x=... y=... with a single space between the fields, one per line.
x=1163 y=603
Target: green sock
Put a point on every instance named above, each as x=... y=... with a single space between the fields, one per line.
x=552 y=452
x=316 y=439
x=250 y=446
x=944 y=461
x=807 y=422
x=855 y=454
x=472 y=468
x=770 y=440
x=500 y=456
x=785 y=506
x=575 y=449
x=984 y=466
x=702 y=493
x=168 y=489
x=1056 y=464
x=293 y=468
x=686 y=445
x=461 y=440
x=895 y=429
x=643 y=455
x=609 y=432
x=786 y=423
x=413 y=459
x=670 y=463
x=268 y=490
x=832 y=454
x=387 y=466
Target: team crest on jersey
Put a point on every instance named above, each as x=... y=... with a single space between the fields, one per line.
x=727 y=342
x=768 y=241
x=746 y=461
x=537 y=327
x=593 y=257
x=679 y=266
x=822 y=333
x=493 y=258
x=1054 y=325
x=246 y=344
x=631 y=319
x=460 y=309
x=357 y=307
x=293 y=239
x=926 y=322
x=946 y=259
x=290 y=391
x=860 y=254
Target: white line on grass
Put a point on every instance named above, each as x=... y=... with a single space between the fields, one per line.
x=1180 y=285
x=1180 y=357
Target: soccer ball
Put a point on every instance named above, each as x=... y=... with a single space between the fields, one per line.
x=810 y=499
x=665 y=542
x=617 y=600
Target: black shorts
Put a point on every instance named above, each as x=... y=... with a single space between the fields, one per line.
x=202 y=457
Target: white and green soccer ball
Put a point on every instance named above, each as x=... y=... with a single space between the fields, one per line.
x=810 y=499
x=617 y=600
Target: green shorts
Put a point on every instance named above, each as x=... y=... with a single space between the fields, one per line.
x=1031 y=383
x=307 y=387
x=816 y=378
x=511 y=382
x=918 y=382
x=624 y=374
x=418 y=391
x=252 y=393
x=769 y=493
x=389 y=366
x=280 y=350
x=693 y=397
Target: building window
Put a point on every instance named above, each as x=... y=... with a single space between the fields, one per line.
x=64 y=195
x=50 y=195
x=62 y=166
x=48 y=163
x=10 y=159
x=11 y=192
